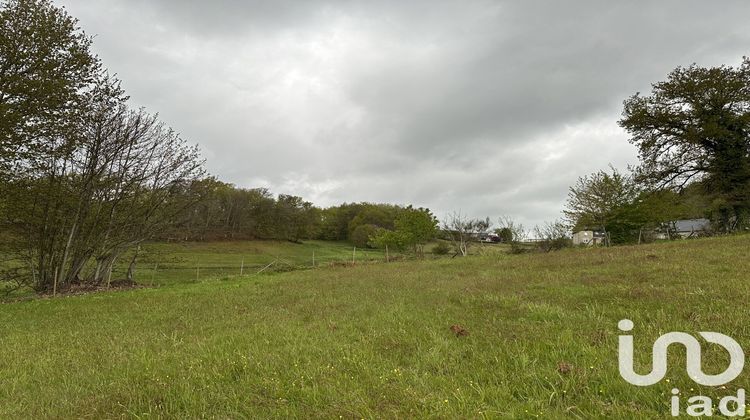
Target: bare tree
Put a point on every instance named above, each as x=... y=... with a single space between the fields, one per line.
x=462 y=231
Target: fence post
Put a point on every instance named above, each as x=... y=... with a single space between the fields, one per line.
x=242 y=267
x=197 y=273
x=386 y=253
x=313 y=259
x=354 y=255
x=153 y=274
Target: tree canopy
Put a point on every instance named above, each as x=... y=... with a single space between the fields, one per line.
x=46 y=71
x=695 y=127
x=594 y=200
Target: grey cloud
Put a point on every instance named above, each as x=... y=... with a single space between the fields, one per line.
x=488 y=107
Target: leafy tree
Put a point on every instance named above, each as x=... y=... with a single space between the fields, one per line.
x=417 y=226
x=390 y=239
x=695 y=126
x=633 y=222
x=381 y=215
x=363 y=235
x=335 y=221
x=413 y=229
x=225 y=211
x=46 y=71
x=296 y=218
x=593 y=201
x=505 y=234
x=260 y=217
x=341 y=222
x=201 y=223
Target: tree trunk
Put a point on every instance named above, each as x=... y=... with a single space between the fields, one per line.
x=131 y=266
x=66 y=253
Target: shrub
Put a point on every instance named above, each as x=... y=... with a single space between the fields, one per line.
x=553 y=236
x=441 y=248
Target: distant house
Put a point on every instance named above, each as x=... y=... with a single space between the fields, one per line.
x=588 y=237
x=689 y=228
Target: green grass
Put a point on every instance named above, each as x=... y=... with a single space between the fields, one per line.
x=170 y=263
x=373 y=341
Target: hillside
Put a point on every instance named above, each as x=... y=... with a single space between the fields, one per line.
x=375 y=340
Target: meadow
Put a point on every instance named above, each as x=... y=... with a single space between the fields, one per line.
x=162 y=264
x=374 y=340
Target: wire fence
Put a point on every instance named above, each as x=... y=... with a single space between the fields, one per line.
x=152 y=271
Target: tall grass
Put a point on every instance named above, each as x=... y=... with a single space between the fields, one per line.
x=374 y=341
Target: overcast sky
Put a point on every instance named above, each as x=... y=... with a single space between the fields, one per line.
x=492 y=108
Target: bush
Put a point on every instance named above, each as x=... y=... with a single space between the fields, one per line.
x=554 y=236
x=441 y=248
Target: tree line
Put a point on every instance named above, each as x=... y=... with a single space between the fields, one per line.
x=226 y=212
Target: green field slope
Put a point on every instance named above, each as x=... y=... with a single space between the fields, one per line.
x=375 y=341
x=169 y=263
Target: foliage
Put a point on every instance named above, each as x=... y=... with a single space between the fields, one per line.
x=335 y=221
x=417 y=226
x=339 y=222
x=46 y=75
x=295 y=218
x=594 y=199
x=636 y=221
x=412 y=229
x=380 y=215
x=505 y=234
x=695 y=126
x=390 y=239
x=227 y=212
x=363 y=234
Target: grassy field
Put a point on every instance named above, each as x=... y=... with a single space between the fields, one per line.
x=374 y=340
x=170 y=263
x=161 y=264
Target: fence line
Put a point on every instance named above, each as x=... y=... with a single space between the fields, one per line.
x=153 y=271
